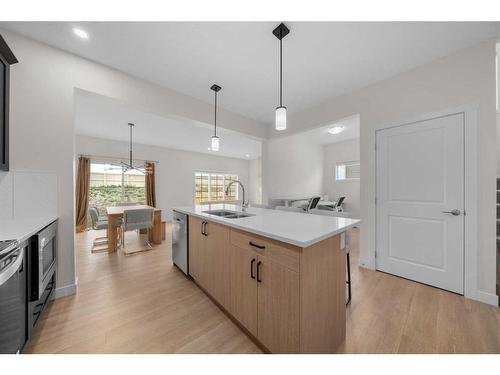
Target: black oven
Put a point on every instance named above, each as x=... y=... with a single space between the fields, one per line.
x=43 y=260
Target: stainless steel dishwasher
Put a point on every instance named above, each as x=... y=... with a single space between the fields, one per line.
x=180 y=243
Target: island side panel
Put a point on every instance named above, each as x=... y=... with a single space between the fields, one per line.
x=323 y=296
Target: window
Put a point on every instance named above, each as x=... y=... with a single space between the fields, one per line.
x=211 y=187
x=109 y=185
x=347 y=171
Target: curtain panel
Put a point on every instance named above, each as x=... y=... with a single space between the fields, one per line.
x=82 y=193
x=150 y=184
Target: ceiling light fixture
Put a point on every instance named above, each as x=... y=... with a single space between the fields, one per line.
x=280 y=32
x=80 y=33
x=215 y=140
x=336 y=130
x=127 y=166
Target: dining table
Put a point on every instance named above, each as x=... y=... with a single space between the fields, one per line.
x=115 y=213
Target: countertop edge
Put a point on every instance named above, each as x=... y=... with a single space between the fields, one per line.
x=268 y=235
x=35 y=225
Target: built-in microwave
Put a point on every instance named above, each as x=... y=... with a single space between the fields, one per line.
x=43 y=260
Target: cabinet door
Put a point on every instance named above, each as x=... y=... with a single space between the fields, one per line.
x=242 y=298
x=217 y=249
x=278 y=307
x=197 y=252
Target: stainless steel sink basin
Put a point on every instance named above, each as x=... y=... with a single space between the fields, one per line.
x=228 y=214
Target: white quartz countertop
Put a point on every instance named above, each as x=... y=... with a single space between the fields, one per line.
x=22 y=229
x=299 y=229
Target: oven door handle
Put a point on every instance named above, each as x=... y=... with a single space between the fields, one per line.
x=12 y=268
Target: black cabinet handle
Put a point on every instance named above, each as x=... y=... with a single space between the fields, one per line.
x=257 y=246
x=251 y=268
x=258 y=271
x=204 y=228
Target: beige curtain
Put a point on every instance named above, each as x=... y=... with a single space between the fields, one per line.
x=82 y=193
x=150 y=184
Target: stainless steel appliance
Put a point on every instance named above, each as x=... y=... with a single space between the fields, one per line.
x=43 y=260
x=180 y=246
x=12 y=297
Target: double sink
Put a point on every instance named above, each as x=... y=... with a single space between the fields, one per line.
x=228 y=214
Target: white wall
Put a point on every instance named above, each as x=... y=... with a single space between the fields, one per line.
x=175 y=171
x=333 y=154
x=466 y=77
x=291 y=167
x=42 y=118
x=498 y=106
x=255 y=181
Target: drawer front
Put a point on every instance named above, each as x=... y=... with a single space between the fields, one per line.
x=281 y=253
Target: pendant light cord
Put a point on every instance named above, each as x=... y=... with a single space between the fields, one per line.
x=281 y=72
x=130 y=151
x=215 y=115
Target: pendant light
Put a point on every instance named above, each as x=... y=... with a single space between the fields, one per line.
x=128 y=166
x=280 y=32
x=215 y=138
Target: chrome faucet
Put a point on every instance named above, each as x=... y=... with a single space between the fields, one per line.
x=244 y=204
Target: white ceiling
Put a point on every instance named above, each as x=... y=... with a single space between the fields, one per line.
x=322 y=137
x=321 y=59
x=102 y=117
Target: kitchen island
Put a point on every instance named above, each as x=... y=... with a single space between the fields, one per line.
x=280 y=275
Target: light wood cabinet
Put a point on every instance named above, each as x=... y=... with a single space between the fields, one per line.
x=278 y=299
x=292 y=300
x=217 y=253
x=208 y=253
x=264 y=291
x=242 y=297
x=196 y=249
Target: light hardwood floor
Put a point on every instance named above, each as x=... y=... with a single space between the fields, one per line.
x=142 y=304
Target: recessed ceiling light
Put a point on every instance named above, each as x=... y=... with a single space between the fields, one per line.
x=247 y=155
x=209 y=149
x=80 y=33
x=336 y=130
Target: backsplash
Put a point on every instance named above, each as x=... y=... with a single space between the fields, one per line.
x=27 y=194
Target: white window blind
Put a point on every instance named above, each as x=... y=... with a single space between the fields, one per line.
x=211 y=187
x=347 y=171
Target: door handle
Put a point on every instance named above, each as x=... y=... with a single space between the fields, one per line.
x=251 y=268
x=259 y=280
x=454 y=212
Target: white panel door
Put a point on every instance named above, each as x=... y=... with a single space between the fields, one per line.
x=420 y=181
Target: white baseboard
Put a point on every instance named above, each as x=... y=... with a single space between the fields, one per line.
x=367 y=263
x=485 y=297
x=65 y=291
